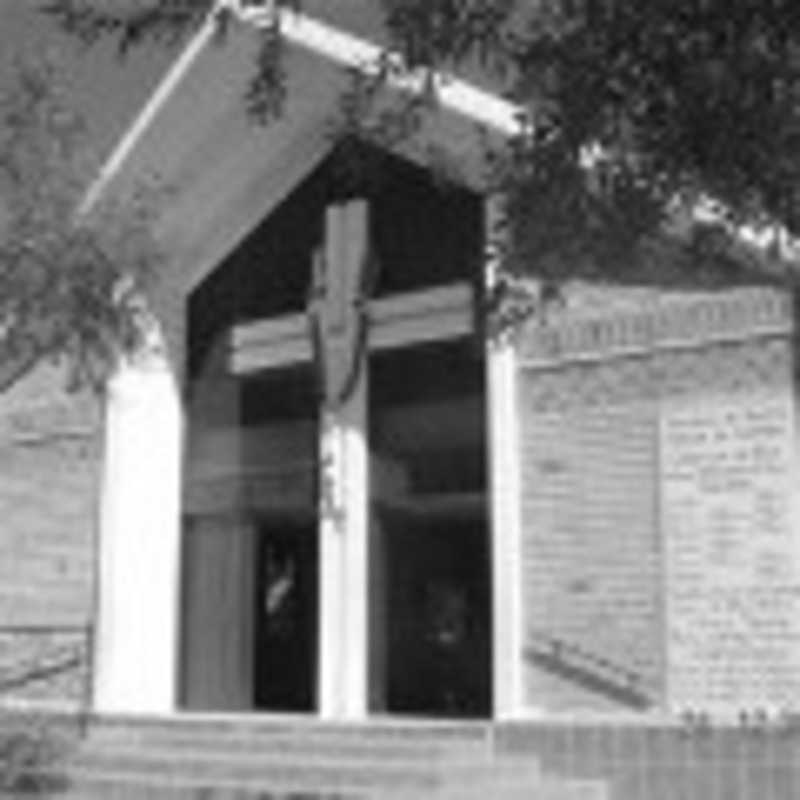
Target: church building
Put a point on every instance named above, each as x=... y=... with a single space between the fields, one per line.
x=328 y=490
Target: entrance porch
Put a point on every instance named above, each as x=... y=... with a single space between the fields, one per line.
x=329 y=548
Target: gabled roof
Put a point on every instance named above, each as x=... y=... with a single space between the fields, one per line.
x=224 y=172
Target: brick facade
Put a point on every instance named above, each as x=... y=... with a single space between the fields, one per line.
x=593 y=386
x=663 y=760
x=592 y=389
x=50 y=444
x=590 y=554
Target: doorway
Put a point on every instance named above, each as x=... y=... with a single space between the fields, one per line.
x=430 y=536
x=285 y=614
x=311 y=608
x=438 y=637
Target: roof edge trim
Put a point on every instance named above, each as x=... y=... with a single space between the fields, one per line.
x=327 y=41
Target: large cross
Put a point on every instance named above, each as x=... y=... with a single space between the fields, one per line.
x=397 y=321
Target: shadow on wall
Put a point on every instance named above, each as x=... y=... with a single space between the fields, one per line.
x=572 y=663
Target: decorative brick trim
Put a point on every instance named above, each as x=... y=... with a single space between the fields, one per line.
x=591 y=398
x=668 y=321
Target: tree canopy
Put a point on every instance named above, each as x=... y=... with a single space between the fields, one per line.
x=634 y=110
x=68 y=281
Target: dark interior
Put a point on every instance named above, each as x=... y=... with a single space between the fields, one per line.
x=426 y=418
x=439 y=631
x=431 y=532
x=424 y=232
x=285 y=655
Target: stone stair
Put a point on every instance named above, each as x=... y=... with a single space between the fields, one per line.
x=204 y=757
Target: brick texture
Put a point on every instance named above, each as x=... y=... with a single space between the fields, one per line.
x=663 y=760
x=41 y=664
x=50 y=444
x=624 y=760
x=591 y=393
x=590 y=550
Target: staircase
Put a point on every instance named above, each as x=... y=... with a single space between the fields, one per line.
x=199 y=757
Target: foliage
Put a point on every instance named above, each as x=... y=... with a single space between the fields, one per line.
x=636 y=113
x=31 y=760
x=67 y=282
x=135 y=22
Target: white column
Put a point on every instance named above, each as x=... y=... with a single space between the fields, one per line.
x=343 y=566
x=137 y=626
x=344 y=518
x=504 y=496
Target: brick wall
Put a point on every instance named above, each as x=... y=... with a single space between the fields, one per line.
x=590 y=550
x=49 y=476
x=45 y=665
x=660 y=760
x=592 y=389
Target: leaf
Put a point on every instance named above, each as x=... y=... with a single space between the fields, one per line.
x=684 y=100
x=58 y=274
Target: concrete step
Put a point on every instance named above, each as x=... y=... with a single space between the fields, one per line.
x=289 y=749
x=544 y=789
x=267 y=727
x=247 y=771
x=134 y=787
x=240 y=758
x=547 y=788
x=319 y=739
x=126 y=788
x=303 y=771
x=289 y=784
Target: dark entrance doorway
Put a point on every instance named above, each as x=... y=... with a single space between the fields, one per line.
x=430 y=555
x=439 y=638
x=285 y=653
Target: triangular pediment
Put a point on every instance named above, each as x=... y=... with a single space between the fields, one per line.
x=223 y=172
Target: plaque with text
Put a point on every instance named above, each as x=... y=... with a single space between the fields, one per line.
x=732 y=567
